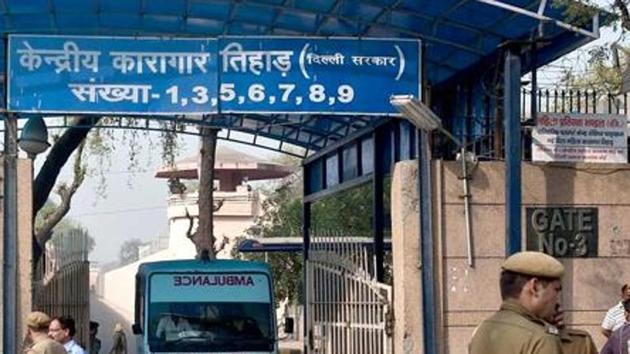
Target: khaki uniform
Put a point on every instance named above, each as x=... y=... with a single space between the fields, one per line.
x=512 y=330
x=44 y=345
x=575 y=341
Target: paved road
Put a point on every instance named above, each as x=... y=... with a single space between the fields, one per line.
x=107 y=317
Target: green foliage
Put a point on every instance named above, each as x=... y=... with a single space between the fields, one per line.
x=129 y=251
x=578 y=13
x=604 y=68
x=346 y=214
x=281 y=217
x=102 y=144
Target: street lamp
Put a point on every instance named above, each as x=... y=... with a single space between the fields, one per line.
x=34 y=141
x=34 y=137
x=422 y=117
x=418 y=114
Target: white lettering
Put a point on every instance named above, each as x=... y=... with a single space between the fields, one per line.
x=329 y=59
x=373 y=60
x=69 y=59
x=234 y=58
x=159 y=62
x=29 y=58
x=111 y=93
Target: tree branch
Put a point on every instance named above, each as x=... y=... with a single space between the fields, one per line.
x=66 y=193
x=191 y=221
x=57 y=158
x=623 y=14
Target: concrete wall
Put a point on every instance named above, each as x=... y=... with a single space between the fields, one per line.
x=466 y=295
x=236 y=215
x=591 y=285
x=239 y=210
x=25 y=240
x=406 y=248
x=25 y=232
x=118 y=289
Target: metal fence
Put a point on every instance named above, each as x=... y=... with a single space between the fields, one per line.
x=490 y=146
x=61 y=280
x=573 y=101
x=349 y=311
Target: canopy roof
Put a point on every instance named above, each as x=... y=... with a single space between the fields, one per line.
x=459 y=35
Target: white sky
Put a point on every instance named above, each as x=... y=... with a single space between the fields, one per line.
x=135 y=203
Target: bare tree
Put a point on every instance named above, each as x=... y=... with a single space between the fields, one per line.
x=59 y=154
x=203 y=237
x=65 y=192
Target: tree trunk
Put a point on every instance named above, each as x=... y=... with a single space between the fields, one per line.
x=204 y=236
x=57 y=158
x=44 y=233
x=624 y=15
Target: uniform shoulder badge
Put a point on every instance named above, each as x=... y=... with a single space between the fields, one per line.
x=552 y=330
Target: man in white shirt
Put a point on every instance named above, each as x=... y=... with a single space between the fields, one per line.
x=62 y=329
x=616 y=315
x=170 y=327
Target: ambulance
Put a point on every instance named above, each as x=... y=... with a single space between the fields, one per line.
x=205 y=306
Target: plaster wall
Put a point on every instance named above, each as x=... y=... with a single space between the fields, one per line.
x=236 y=215
x=24 y=242
x=406 y=248
x=591 y=285
x=119 y=284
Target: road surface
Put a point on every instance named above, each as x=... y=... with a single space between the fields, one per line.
x=107 y=318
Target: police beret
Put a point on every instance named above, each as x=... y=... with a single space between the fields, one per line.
x=37 y=319
x=534 y=263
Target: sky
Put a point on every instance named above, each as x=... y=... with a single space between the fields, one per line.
x=134 y=203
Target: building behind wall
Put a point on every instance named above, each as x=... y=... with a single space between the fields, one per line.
x=240 y=205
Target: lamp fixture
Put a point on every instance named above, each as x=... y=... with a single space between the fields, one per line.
x=34 y=137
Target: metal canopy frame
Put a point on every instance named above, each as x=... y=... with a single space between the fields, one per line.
x=454 y=42
x=296 y=135
x=444 y=25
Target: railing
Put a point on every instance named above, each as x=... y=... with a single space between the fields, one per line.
x=349 y=311
x=61 y=280
x=486 y=146
x=573 y=101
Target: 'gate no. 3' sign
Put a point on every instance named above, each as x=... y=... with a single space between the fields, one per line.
x=563 y=232
x=118 y=75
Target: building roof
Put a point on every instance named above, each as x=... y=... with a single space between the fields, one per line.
x=460 y=37
x=455 y=39
x=229 y=161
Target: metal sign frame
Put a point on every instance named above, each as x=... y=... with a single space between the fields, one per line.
x=215 y=100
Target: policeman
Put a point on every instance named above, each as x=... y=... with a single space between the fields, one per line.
x=530 y=289
x=37 y=325
x=572 y=341
x=576 y=341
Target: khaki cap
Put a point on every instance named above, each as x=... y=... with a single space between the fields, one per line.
x=534 y=263
x=37 y=319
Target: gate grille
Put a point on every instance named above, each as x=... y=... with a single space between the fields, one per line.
x=61 y=280
x=350 y=312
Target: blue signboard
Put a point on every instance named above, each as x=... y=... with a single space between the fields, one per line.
x=117 y=75
x=112 y=75
x=316 y=75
